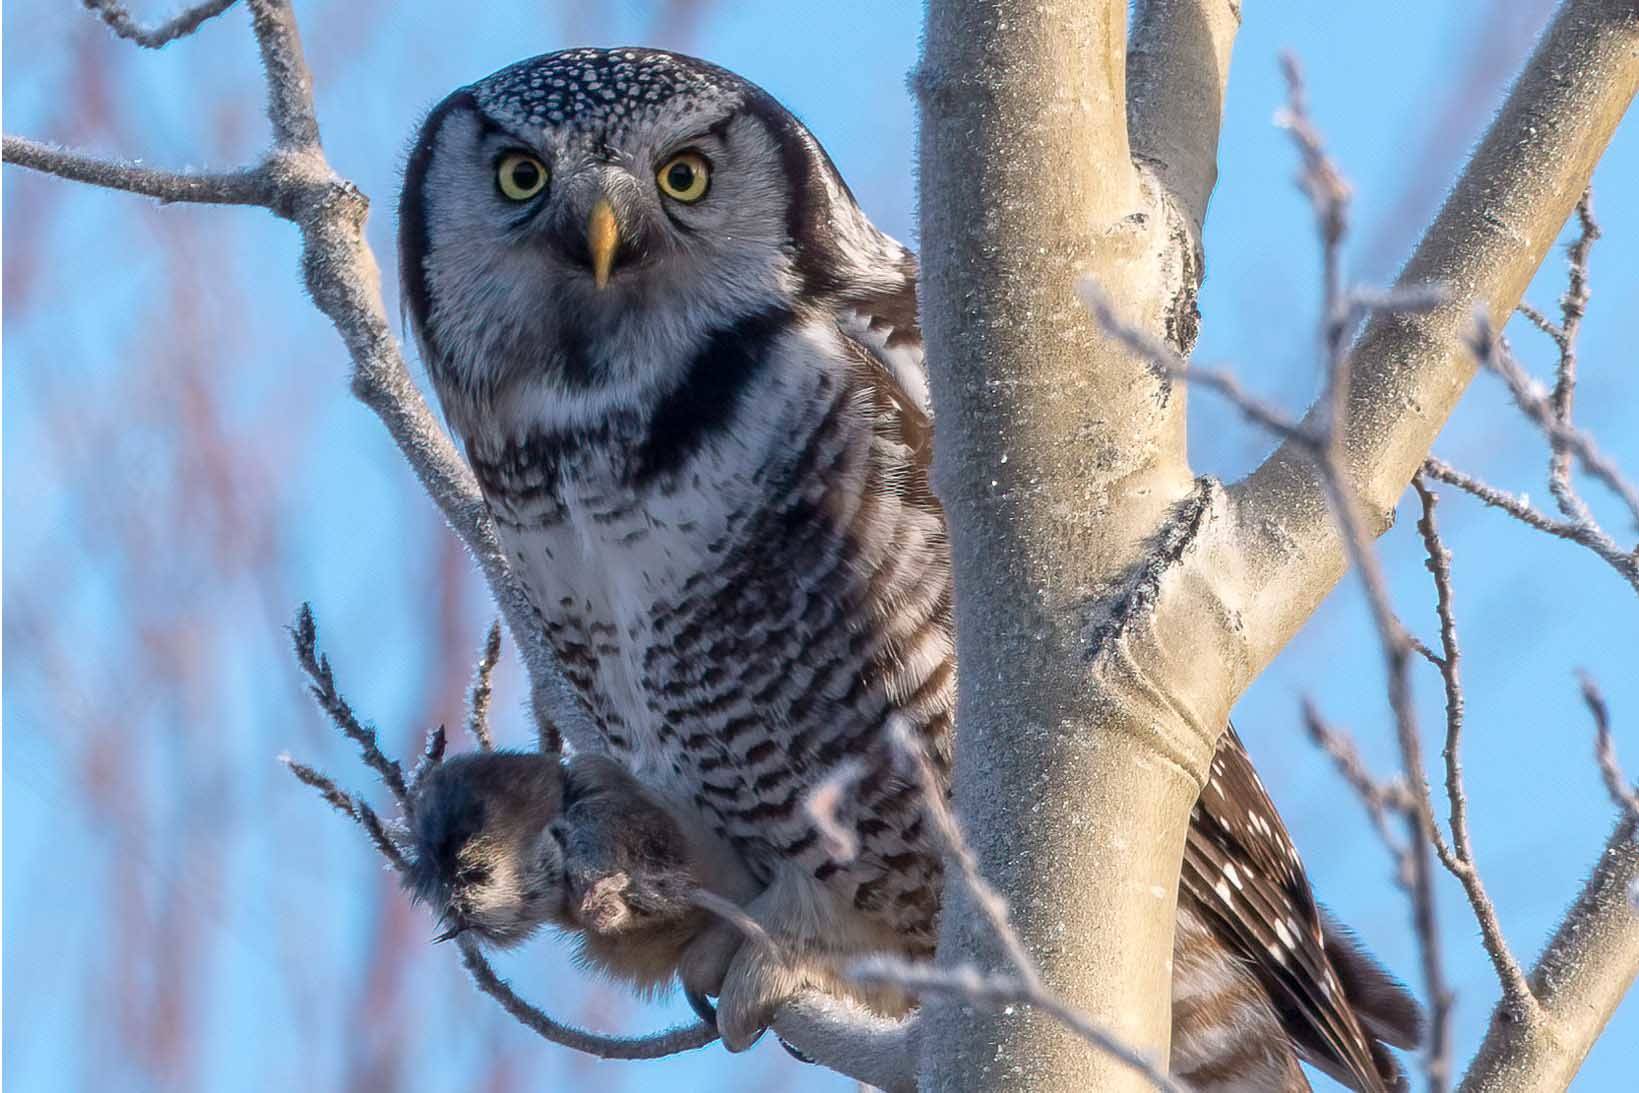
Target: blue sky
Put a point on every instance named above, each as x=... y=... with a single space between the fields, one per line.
x=178 y=914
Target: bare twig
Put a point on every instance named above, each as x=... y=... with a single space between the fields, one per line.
x=1328 y=193
x=1624 y=794
x=949 y=834
x=244 y=187
x=1585 y=534
x=354 y=808
x=823 y=804
x=1459 y=857
x=478 y=705
x=289 y=81
x=1567 y=440
x=304 y=637
x=1383 y=800
x=656 y=1046
x=995 y=991
x=180 y=26
x=1572 y=307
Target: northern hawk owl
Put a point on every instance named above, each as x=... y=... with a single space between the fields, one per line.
x=688 y=374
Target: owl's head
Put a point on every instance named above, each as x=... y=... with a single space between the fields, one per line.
x=579 y=218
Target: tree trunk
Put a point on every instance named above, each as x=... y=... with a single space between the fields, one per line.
x=1110 y=610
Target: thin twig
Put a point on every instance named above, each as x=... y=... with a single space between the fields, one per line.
x=478 y=704
x=1540 y=321
x=1382 y=800
x=354 y=808
x=249 y=186
x=1589 y=535
x=995 y=991
x=180 y=26
x=1328 y=193
x=1624 y=794
x=948 y=832
x=289 y=81
x=655 y=1046
x=1438 y=563
x=1493 y=353
x=1573 y=305
x=1459 y=857
x=304 y=637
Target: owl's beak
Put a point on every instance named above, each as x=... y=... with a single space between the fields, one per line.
x=602 y=239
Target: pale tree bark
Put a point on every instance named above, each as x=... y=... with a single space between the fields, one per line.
x=1109 y=610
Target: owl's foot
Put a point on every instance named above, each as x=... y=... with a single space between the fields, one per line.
x=749 y=980
x=758 y=983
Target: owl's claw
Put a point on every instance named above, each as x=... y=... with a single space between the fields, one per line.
x=702 y=1007
x=750 y=983
x=706 y=959
x=757 y=984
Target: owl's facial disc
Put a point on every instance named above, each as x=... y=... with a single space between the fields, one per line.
x=589 y=220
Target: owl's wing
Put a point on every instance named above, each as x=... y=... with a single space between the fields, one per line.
x=881 y=321
x=1241 y=866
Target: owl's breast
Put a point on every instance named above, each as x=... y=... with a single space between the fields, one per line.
x=747 y=623
x=602 y=562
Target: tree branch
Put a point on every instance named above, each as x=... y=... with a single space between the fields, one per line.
x=655 y=1046
x=1624 y=794
x=245 y=187
x=1177 y=69
x=1407 y=371
x=297 y=183
x=1042 y=529
x=1581 y=978
x=1458 y=857
x=180 y=26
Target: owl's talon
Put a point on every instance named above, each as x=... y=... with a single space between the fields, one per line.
x=702 y=1007
x=756 y=985
x=706 y=960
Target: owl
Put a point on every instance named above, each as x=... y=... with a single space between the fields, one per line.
x=689 y=378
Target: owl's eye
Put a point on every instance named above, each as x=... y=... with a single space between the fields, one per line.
x=520 y=176
x=685 y=177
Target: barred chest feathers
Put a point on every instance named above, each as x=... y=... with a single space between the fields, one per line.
x=705 y=569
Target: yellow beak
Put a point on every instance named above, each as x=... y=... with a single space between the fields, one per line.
x=602 y=236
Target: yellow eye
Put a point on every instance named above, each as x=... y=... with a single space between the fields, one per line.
x=520 y=176
x=685 y=177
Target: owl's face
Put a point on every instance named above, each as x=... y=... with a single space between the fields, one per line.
x=574 y=219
